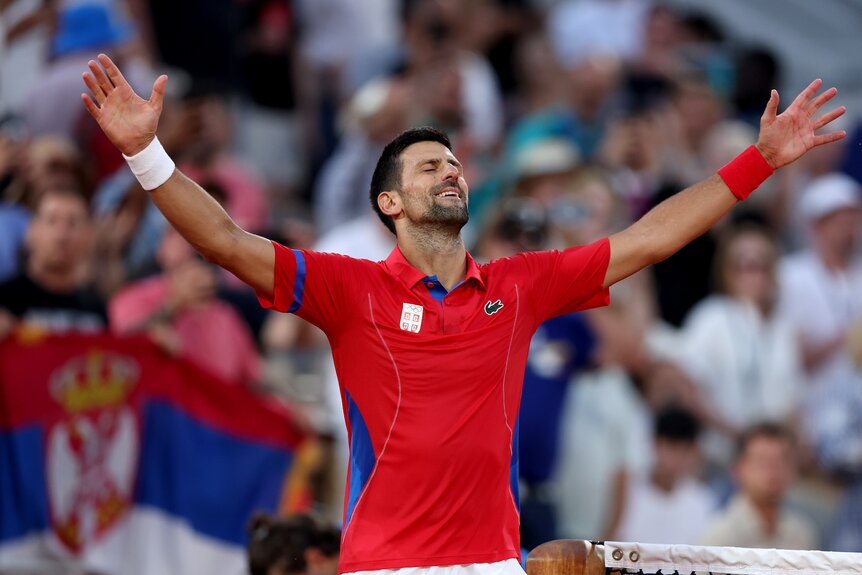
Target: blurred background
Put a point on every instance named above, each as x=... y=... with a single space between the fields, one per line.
x=717 y=400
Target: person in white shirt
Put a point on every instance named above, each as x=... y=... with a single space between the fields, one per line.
x=742 y=355
x=669 y=505
x=757 y=516
x=821 y=296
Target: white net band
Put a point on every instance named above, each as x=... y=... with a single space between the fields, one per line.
x=685 y=559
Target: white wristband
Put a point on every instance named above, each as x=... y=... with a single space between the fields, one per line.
x=152 y=165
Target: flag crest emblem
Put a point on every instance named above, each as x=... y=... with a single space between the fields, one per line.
x=411 y=317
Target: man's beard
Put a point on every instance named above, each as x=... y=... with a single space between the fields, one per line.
x=454 y=215
x=448 y=215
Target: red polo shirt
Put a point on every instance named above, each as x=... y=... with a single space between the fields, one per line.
x=431 y=392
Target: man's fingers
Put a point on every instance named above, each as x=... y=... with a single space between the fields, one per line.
x=829 y=138
x=95 y=89
x=113 y=72
x=807 y=93
x=771 y=106
x=828 y=117
x=822 y=99
x=101 y=78
x=91 y=106
x=157 y=96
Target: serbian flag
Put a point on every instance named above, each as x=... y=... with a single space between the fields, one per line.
x=117 y=459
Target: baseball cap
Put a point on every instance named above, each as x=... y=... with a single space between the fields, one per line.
x=828 y=194
x=88 y=26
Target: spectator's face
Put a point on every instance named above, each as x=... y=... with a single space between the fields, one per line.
x=675 y=459
x=433 y=188
x=174 y=250
x=52 y=163
x=750 y=269
x=431 y=32
x=766 y=470
x=60 y=233
x=698 y=108
x=838 y=233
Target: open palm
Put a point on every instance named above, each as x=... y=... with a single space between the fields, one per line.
x=128 y=120
x=787 y=136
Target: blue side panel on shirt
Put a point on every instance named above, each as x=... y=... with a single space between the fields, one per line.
x=298 y=282
x=362 y=458
x=23 y=494
x=513 y=466
x=203 y=476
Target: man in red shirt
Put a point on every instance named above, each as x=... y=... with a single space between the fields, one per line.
x=430 y=346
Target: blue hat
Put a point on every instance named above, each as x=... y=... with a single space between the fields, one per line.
x=88 y=26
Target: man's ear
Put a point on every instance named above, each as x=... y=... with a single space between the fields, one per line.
x=390 y=203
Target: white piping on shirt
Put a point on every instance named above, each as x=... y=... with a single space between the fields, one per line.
x=391 y=427
x=505 y=373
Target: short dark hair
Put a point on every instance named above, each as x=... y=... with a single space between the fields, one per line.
x=766 y=429
x=281 y=542
x=62 y=191
x=387 y=173
x=676 y=424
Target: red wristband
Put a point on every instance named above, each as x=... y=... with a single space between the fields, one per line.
x=744 y=173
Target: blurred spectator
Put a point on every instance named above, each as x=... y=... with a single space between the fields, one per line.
x=207 y=156
x=376 y=114
x=605 y=423
x=495 y=28
x=293 y=545
x=25 y=37
x=765 y=469
x=538 y=75
x=342 y=45
x=559 y=350
x=757 y=74
x=14 y=216
x=743 y=356
x=432 y=81
x=199 y=37
x=669 y=505
x=821 y=296
x=179 y=309
x=579 y=28
x=51 y=292
x=543 y=172
x=845 y=534
x=268 y=126
x=54 y=104
x=582 y=116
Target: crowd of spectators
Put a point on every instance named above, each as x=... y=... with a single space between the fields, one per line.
x=719 y=397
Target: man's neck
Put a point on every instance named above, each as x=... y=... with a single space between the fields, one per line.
x=769 y=514
x=436 y=253
x=53 y=280
x=834 y=262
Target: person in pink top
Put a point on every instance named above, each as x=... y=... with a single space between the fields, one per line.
x=179 y=308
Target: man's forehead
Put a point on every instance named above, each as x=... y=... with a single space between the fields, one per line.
x=54 y=202
x=421 y=151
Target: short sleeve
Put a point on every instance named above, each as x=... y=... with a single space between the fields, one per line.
x=311 y=285
x=569 y=280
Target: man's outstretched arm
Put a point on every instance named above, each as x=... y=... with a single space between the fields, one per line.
x=130 y=123
x=672 y=224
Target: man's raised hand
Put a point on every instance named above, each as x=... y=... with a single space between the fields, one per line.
x=128 y=120
x=787 y=136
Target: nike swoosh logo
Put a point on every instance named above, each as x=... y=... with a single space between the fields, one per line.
x=492 y=308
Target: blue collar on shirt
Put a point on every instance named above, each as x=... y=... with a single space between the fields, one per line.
x=436 y=289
